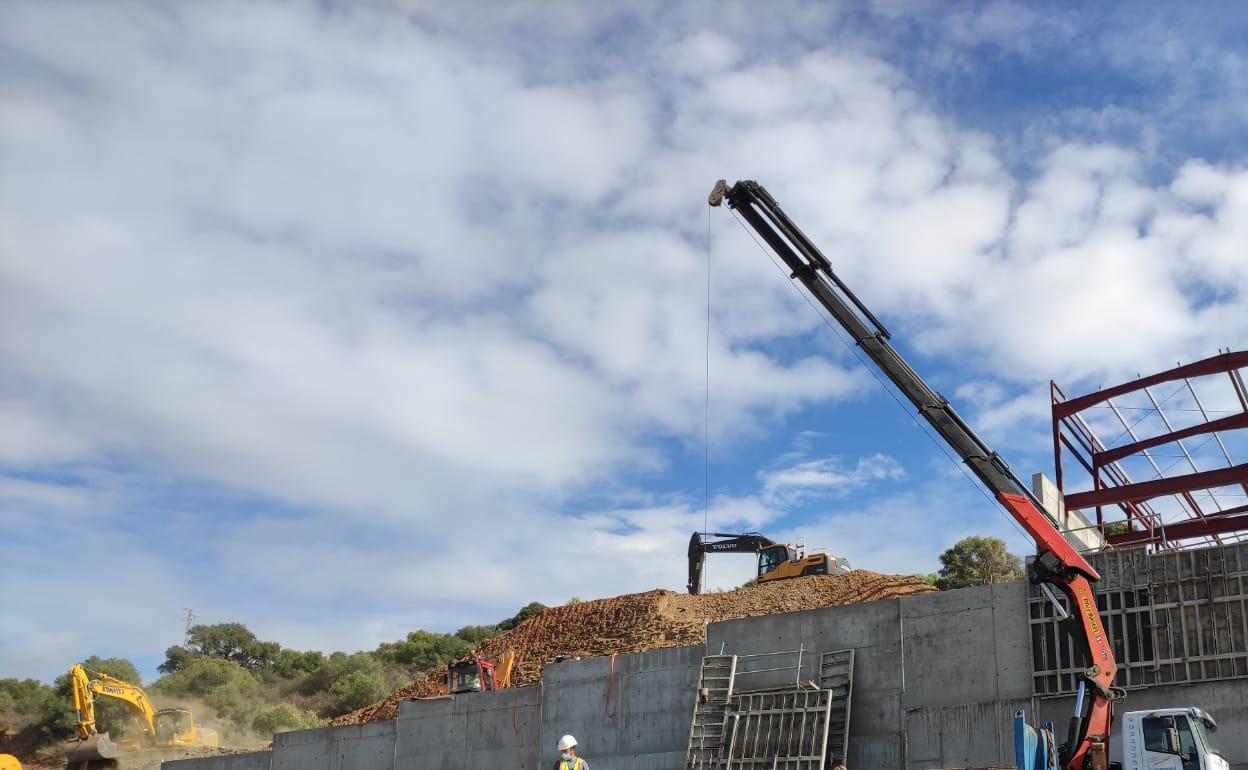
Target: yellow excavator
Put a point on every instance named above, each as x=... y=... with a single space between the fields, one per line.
x=163 y=728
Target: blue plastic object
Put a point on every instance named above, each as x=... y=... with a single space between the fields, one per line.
x=1034 y=749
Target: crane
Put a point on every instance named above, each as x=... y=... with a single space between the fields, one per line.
x=1057 y=564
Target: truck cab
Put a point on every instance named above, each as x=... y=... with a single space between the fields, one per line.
x=1170 y=739
x=472 y=674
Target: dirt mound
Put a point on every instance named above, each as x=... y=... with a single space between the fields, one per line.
x=648 y=621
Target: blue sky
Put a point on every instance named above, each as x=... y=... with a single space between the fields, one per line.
x=340 y=321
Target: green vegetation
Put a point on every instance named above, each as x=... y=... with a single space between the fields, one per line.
x=976 y=561
x=1115 y=527
x=244 y=687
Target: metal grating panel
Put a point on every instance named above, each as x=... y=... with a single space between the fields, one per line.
x=836 y=675
x=1172 y=617
x=783 y=730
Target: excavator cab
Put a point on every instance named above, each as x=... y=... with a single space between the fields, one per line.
x=470 y=675
x=770 y=559
x=173 y=725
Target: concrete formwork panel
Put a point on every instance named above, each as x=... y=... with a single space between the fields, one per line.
x=633 y=716
x=873 y=631
x=255 y=760
x=354 y=747
x=471 y=731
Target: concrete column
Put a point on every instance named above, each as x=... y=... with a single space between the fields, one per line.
x=1073 y=524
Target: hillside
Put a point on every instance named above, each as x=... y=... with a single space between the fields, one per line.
x=647 y=621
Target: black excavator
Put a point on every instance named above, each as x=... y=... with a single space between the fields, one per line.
x=776 y=561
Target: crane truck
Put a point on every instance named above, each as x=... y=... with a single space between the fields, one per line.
x=161 y=728
x=776 y=561
x=1171 y=738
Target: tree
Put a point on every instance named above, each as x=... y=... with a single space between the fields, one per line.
x=226 y=641
x=356 y=690
x=424 y=650
x=21 y=702
x=293 y=664
x=177 y=658
x=526 y=612
x=1115 y=527
x=978 y=561
x=476 y=634
x=338 y=666
x=222 y=684
x=280 y=717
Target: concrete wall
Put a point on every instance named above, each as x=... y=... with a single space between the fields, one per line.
x=925 y=669
x=639 y=722
x=937 y=679
x=255 y=760
x=356 y=747
x=471 y=731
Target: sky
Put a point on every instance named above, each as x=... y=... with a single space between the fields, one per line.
x=343 y=320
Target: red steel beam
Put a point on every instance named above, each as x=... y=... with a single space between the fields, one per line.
x=1145 y=490
x=1222 y=423
x=1183 y=530
x=1223 y=362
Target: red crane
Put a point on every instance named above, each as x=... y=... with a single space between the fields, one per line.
x=1057 y=563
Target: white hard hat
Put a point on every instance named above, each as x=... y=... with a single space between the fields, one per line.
x=566 y=742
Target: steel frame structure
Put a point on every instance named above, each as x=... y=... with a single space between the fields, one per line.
x=1199 y=513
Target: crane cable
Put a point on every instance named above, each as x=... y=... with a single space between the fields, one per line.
x=706 y=406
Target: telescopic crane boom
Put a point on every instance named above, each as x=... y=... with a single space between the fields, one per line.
x=1057 y=563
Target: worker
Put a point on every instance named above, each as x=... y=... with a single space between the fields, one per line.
x=568 y=760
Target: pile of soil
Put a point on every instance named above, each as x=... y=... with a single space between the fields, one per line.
x=647 y=621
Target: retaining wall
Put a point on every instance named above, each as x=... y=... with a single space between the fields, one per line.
x=937 y=679
x=254 y=760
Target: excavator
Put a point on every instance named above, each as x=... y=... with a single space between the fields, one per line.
x=476 y=674
x=163 y=728
x=1057 y=565
x=776 y=561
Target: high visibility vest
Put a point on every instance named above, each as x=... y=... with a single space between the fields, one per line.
x=577 y=763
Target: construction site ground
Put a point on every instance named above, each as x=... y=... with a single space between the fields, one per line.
x=147 y=759
x=648 y=621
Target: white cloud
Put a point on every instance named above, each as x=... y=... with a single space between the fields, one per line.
x=826 y=476
x=402 y=291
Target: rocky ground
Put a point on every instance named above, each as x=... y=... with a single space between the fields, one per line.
x=648 y=621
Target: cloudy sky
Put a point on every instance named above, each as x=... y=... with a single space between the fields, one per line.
x=341 y=320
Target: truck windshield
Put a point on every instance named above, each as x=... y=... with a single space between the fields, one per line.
x=1202 y=729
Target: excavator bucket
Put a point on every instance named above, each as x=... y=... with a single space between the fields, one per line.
x=93 y=752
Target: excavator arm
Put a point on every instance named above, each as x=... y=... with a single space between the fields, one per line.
x=748 y=542
x=84 y=701
x=1057 y=563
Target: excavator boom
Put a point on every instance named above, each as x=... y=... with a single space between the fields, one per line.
x=1057 y=563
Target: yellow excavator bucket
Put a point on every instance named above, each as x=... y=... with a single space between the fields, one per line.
x=81 y=751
